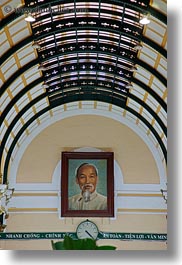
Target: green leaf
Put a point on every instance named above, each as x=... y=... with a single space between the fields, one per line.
x=68 y=243
x=53 y=245
x=58 y=245
x=79 y=244
x=88 y=244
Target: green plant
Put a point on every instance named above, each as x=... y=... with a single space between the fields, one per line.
x=79 y=244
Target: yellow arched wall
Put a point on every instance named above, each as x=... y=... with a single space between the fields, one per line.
x=132 y=154
x=42 y=156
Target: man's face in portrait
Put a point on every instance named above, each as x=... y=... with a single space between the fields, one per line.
x=87 y=178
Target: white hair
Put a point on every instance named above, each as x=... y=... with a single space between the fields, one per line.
x=85 y=164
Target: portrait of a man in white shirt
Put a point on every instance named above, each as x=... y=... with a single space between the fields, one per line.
x=88 y=198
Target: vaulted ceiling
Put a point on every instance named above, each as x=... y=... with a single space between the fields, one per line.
x=79 y=51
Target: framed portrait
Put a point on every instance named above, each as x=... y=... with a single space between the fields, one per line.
x=87 y=184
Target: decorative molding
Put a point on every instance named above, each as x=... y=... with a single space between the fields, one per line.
x=84 y=111
x=24 y=210
x=138 y=195
x=23 y=194
x=143 y=210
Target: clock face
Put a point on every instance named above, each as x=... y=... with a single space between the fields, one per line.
x=87 y=229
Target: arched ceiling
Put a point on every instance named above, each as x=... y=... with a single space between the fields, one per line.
x=89 y=52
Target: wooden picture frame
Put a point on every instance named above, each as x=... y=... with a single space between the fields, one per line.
x=78 y=180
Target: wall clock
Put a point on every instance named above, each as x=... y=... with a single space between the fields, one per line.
x=87 y=229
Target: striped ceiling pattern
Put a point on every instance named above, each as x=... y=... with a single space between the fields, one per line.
x=88 y=51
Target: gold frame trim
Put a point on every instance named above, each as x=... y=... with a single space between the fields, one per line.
x=33 y=210
x=142 y=210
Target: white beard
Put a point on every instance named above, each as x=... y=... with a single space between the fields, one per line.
x=86 y=195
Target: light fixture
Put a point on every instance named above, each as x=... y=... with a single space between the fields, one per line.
x=41 y=67
x=29 y=17
x=133 y=68
x=164 y=193
x=44 y=85
x=138 y=47
x=35 y=45
x=5 y=195
x=144 y=20
x=2 y=228
x=129 y=85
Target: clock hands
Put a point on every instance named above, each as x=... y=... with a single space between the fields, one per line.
x=87 y=229
x=89 y=234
